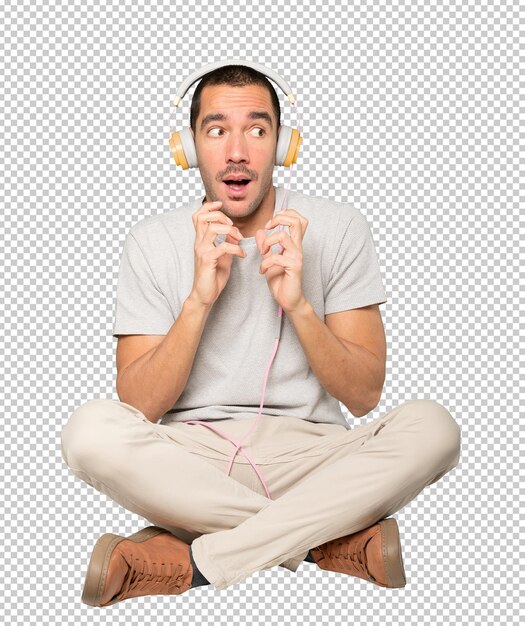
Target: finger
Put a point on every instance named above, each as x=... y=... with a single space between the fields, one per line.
x=294 y=214
x=276 y=259
x=203 y=219
x=280 y=218
x=205 y=208
x=226 y=248
x=290 y=214
x=295 y=226
x=216 y=216
x=280 y=237
x=209 y=206
x=214 y=229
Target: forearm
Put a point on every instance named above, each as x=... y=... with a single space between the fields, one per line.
x=347 y=371
x=155 y=381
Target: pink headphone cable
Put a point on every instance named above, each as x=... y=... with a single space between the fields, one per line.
x=239 y=446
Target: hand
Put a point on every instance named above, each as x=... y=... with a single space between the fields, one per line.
x=284 y=271
x=212 y=264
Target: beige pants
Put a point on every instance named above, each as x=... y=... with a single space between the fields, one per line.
x=325 y=481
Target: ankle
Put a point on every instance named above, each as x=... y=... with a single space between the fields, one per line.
x=198 y=578
x=309 y=558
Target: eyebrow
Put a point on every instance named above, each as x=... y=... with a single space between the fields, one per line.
x=220 y=117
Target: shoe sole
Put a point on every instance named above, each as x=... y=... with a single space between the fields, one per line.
x=99 y=562
x=392 y=555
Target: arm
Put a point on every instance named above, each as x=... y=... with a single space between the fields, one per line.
x=349 y=371
x=348 y=353
x=152 y=378
x=153 y=369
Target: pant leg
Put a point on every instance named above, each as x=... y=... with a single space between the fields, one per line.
x=383 y=466
x=114 y=448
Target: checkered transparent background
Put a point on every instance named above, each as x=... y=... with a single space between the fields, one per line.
x=409 y=111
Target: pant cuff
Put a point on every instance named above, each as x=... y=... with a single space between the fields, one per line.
x=220 y=579
x=293 y=563
x=211 y=571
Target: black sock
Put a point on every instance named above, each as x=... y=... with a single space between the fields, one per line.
x=198 y=577
x=309 y=557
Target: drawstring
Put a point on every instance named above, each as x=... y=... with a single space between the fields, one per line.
x=239 y=446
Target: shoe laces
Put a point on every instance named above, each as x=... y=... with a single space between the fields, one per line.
x=152 y=577
x=344 y=551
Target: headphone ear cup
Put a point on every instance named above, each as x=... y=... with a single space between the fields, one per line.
x=182 y=148
x=288 y=145
x=283 y=141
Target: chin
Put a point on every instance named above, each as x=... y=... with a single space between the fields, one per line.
x=242 y=205
x=236 y=209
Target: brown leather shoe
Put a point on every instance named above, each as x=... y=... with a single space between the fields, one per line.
x=373 y=554
x=151 y=561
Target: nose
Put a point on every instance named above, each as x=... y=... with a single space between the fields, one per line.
x=237 y=148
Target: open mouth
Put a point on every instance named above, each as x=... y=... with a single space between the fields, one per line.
x=237 y=187
x=237 y=183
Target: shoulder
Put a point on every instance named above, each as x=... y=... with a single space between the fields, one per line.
x=325 y=213
x=152 y=232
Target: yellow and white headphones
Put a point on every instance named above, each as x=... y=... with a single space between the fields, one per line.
x=181 y=142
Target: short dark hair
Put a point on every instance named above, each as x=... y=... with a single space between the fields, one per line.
x=236 y=76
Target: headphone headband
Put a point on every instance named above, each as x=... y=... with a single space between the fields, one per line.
x=182 y=144
x=181 y=91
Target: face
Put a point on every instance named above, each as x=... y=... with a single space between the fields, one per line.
x=235 y=137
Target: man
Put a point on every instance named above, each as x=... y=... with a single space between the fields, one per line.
x=195 y=322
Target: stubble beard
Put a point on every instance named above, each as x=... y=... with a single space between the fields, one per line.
x=252 y=207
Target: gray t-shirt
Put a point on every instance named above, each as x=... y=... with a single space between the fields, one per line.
x=340 y=272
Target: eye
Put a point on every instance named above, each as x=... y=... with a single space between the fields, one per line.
x=210 y=132
x=258 y=128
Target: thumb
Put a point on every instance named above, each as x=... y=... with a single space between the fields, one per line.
x=260 y=236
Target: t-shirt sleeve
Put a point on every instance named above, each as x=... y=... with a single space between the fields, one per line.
x=355 y=279
x=141 y=307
